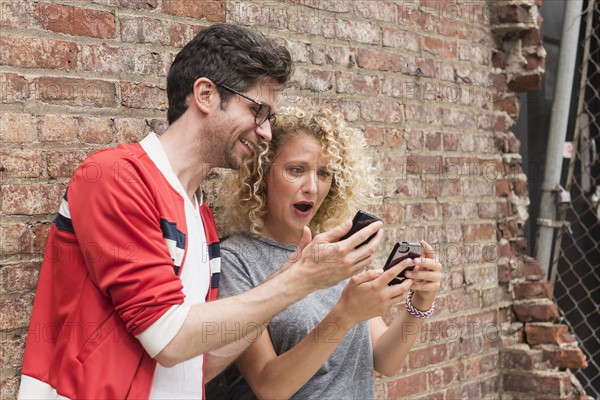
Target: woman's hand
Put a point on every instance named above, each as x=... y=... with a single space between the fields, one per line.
x=427 y=278
x=367 y=294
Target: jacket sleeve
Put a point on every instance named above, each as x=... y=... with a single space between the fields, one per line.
x=116 y=220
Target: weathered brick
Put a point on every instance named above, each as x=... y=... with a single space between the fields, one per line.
x=16 y=164
x=459 y=300
x=140 y=4
x=33 y=199
x=77 y=92
x=37 y=53
x=267 y=14
x=155 y=31
x=17 y=128
x=62 y=164
x=328 y=54
x=357 y=31
x=406 y=385
x=57 y=128
x=548 y=334
x=444 y=376
x=356 y=84
x=380 y=60
x=109 y=59
x=130 y=130
x=16 y=14
x=401 y=39
x=535 y=382
x=40 y=236
x=530 y=269
x=479 y=232
x=565 y=357
x=95 y=130
x=14 y=88
x=382 y=111
x=213 y=11
x=533 y=290
x=440 y=47
x=76 y=20
x=15 y=310
x=374 y=136
x=18 y=278
x=15 y=239
x=430 y=355
x=542 y=311
x=140 y=95
x=375 y=10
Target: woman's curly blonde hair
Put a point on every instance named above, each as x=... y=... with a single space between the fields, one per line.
x=243 y=193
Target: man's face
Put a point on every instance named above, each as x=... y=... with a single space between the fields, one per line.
x=237 y=133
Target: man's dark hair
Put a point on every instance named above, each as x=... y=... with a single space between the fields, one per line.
x=226 y=54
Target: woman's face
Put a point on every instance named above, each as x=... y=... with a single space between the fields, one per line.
x=297 y=183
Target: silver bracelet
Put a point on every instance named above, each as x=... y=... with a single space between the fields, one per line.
x=413 y=311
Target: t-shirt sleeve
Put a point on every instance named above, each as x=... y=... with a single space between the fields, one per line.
x=117 y=225
x=235 y=277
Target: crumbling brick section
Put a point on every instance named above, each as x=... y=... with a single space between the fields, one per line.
x=537 y=349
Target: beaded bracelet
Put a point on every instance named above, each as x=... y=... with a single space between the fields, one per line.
x=413 y=311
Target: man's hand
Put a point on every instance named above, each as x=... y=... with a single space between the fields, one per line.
x=325 y=261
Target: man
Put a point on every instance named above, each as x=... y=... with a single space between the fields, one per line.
x=121 y=307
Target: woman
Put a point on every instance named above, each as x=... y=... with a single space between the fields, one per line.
x=315 y=173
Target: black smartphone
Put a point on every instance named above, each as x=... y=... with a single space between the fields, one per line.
x=400 y=252
x=360 y=220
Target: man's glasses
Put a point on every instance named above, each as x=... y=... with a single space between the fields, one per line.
x=261 y=114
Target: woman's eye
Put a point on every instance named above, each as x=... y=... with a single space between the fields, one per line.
x=324 y=174
x=295 y=170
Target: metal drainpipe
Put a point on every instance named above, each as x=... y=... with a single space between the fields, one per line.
x=558 y=131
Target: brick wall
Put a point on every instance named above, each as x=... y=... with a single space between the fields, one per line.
x=430 y=83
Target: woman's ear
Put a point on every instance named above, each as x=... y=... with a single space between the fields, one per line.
x=205 y=95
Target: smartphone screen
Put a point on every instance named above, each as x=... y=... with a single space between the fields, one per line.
x=400 y=252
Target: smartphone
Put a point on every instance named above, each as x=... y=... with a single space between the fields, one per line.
x=400 y=252
x=360 y=220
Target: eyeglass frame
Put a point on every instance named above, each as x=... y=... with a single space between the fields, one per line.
x=270 y=115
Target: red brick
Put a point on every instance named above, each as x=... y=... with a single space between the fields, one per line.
x=58 y=128
x=358 y=31
x=17 y=128
x=439 y=47
x=327 y=54
x=140 y=95
x=40 y=236
x=532 y=37
x=407 y=385
x=442 y=188
x=34 y=199
x=503 y=188
x=140 y=4
x=520 y=357
x=504 y=273
x=20 y=164
x=130 y=130
x=533 y=290
x=459 y=300
x=37 y=53
x=14 y=88
x=115 y=60
x=424 y=357
x=382 y=111
x=19 y=277
x=391 y=212
x=565 y=357
x=16 y=239
x=213 y=11
x=510 y=13
x=458 y=118
x=424 y=164
x=530 y=269
x=16 y=14
x=433 y=141
x=62 y=164
x=466 y=390
x=380 y=60
x=95 y=130
x=377 y=10
x=444 y=376
x=15 y=310
x=76 y=21
x=535 y=383
x=311 y=21
x=401 y=39
x=155 y=31
x=374 y=136
x=423 y=114
x=77 y=92
x=521 y=188
x=479 y=232
x=356 y=84
x=548 y=334
x=536 y=311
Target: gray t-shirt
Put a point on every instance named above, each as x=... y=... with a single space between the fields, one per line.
x=347 y=374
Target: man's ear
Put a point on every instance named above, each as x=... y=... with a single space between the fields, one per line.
x=205 y=95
